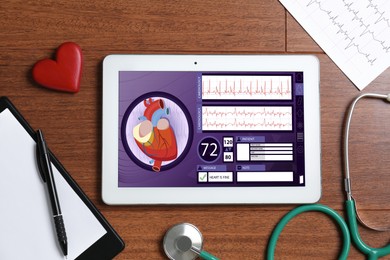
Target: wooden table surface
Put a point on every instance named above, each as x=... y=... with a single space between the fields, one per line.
x=32 y=30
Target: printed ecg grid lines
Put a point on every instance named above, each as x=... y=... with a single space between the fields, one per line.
x=355 y=34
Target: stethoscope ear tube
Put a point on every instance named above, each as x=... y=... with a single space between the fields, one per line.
x=347 y=176
x=305 y=208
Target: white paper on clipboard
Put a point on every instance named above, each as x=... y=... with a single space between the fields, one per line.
x=26 y=224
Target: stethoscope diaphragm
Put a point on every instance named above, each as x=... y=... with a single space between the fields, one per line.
x=183 y=242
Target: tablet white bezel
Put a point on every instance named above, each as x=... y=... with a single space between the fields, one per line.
x=114 y=195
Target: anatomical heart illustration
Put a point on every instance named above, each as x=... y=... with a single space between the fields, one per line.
x=154 y=135
x=156 y=131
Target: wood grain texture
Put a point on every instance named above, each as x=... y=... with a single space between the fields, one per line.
x=32 y=30
x=297 y=39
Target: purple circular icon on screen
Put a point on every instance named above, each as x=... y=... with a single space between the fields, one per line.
x=157 y=131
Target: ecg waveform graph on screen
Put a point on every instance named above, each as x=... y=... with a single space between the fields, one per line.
x=246 y=87
x=246 y=118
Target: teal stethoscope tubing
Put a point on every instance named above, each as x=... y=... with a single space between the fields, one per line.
x=305 y=208
x=372 y=253
x=352 y=231
x=207 y=256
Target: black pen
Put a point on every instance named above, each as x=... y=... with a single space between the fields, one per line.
x=45 y=169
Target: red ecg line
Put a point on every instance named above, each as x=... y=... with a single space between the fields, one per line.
x=263 y=112
x=264 y=124
x=252 y=88
x=246 y=118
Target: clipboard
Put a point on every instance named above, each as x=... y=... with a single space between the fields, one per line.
x=105 y=245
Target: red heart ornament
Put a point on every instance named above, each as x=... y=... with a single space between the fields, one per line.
x=62 y=74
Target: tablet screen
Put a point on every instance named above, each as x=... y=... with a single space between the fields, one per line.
x=211 y=129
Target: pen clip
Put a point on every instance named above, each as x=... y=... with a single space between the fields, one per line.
x=39 y=154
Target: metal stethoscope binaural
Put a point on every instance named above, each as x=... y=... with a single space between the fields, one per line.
x=184 y=241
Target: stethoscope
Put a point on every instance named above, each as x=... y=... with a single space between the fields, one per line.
x=184 y=241
x=352 y=213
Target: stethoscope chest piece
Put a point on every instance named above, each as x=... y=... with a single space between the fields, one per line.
x=182 y=242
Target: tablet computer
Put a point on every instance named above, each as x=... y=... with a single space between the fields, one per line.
x=211 y=129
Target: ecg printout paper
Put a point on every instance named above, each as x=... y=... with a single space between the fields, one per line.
x=26 y=225
x=355 y=34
